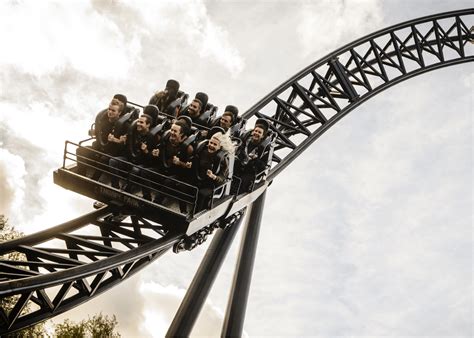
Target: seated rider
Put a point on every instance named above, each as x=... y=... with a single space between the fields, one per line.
x=175 y=153
x=137 y=152
x=197 y=109
x=172 y=158
x=228 y=120
x=109 y=135
x=252 y=157
x=162 y=99
x=211 y=165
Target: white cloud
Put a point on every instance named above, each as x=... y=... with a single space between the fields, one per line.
x=216 y=44
x=158 y=318
x=188 y=24
x=380 y=214
x=41 y=124
x=329 y=23
x=468 y=81
x=59 y=205
x=33 y=137
x=46 y=36
x=12 y=182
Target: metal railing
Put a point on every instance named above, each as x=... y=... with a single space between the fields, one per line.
x=132 y=176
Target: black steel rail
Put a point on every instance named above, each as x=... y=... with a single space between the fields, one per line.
x=308 y=104
x=50 y=272
x=62 y=267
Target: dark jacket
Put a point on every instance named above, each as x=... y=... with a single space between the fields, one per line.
x=217 y=162
x=103 y=127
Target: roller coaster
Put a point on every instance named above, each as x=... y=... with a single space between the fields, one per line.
x=66 y=265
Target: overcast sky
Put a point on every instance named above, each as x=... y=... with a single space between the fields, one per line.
x=368 y=233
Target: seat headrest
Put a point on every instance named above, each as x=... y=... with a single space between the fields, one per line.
x=215 y=129
x=203 y=98
x=153 y=111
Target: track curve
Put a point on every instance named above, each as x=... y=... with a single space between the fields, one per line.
x=315 y=99
x=57 y=269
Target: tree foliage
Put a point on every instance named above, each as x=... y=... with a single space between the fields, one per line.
x=70 y=329
x=7 y=233
x=99 y=326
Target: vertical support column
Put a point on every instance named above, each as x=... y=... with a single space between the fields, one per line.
x=237 y=305
x=202 y=282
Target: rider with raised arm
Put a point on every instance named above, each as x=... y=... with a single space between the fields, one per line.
x=162 y=99
x=137 y=152
x=174 y=152
x=109 y=138
x=211 y=165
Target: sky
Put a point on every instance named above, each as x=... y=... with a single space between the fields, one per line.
x=367 y=234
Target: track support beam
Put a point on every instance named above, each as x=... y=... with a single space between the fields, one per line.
x=236 y=307
x=202 y=282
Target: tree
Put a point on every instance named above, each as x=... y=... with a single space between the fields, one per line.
x=97 y=326
x=70 y=329
x=7 y=233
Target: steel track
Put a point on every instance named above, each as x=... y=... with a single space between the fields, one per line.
x=50 y=272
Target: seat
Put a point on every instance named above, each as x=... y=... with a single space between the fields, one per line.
x=154 y=113
x=175 y=107
x=209 y=114
x=223 y=189
x=125 y=120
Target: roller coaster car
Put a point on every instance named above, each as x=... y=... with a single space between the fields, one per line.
x=169 y=191
x=176 y=209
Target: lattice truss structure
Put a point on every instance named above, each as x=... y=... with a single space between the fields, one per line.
x=50 y=272
x=308 y=104
x=55 y=270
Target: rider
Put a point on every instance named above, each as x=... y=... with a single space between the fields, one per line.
x=162 y=99
x=211 y=164
x=138 y=153
x=109 y=135
x=253 y=157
